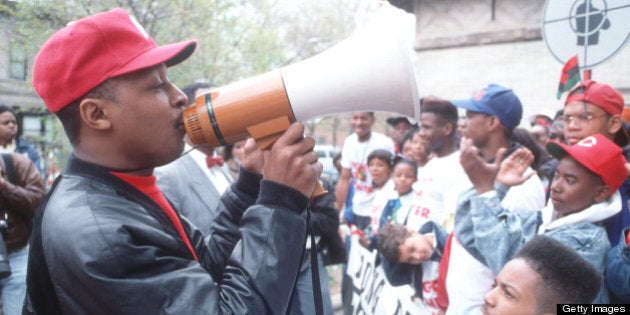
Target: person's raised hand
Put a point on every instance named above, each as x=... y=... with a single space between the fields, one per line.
x=480 y=173
x=513 y=169
x=291 y=161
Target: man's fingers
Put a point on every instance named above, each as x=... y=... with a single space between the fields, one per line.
x=293 y=134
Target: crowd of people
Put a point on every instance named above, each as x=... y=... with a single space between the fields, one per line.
x=474 y=213
x=484 y=188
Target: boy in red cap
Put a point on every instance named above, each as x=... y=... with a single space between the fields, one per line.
x=583 y=194
x=590 y=108
x=594 y=107
x=106 y=240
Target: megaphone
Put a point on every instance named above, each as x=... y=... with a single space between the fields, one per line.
x=369 y=71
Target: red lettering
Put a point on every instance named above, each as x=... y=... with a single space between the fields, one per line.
x=425 y=213
x=416 y=210
x=429 y=286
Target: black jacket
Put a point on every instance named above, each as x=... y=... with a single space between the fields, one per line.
x=100 y=246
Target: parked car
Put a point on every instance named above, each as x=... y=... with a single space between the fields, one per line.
x=326 y=154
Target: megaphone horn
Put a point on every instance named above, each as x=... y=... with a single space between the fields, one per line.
x=369 y=71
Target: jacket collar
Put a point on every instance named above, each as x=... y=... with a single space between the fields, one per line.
x=593 y=214
x=78 y=167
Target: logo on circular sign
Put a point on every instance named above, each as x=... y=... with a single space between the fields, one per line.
x=595 y=30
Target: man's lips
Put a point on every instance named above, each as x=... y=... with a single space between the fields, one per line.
x=179 y=122
x=555 y=200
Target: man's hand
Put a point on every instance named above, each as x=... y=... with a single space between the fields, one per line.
x=480 y=173
x=291 y=161
x=253 y=157
x=512 y=170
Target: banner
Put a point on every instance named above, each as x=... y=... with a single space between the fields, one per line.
x=371 y=292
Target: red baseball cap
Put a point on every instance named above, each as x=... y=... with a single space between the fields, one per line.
x=82 y=55
x=603 y=96
x=598 y=154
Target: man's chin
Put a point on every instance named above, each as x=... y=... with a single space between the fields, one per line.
x=572 y=141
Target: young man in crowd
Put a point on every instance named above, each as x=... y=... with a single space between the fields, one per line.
x=590 y=108
x=106 y=240
x=595 y=107
x=583 y=195
x=543 y=274
x=354 y=173
x=492 y=114
x=442 y=178
x=355 y=189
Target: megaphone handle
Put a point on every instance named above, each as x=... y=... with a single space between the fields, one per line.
x=319 y=190
x=268 y=132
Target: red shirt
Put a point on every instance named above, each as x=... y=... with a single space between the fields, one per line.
x=147 y=185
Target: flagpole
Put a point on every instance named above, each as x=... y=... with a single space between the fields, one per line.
x=586 y=75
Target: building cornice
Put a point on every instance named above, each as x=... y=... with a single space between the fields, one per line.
x=477 y=39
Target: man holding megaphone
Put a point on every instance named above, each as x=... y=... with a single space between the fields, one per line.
x=106 y=240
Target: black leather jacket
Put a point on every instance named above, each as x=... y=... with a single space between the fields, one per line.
x=100 y=246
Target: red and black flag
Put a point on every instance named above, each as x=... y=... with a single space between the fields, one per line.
x=570 y=76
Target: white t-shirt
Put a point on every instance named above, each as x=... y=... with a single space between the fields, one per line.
x=354 y=157
x=438 y=186
x=380 y=201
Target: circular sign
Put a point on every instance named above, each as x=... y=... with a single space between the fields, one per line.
x=595 y=30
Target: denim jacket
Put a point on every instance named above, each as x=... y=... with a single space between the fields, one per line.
x=618 y=271
x=494 y=235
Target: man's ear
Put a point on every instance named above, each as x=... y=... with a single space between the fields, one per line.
x=603 y=192
x=494 y=123
x=614 y=124
x=93 y=113
x=449 y=128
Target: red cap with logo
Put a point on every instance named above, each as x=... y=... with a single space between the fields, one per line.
x=601 y=95
x=82 y=55
x=598 y=154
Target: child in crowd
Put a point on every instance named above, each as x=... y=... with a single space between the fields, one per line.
x=406 y=144
x=397 y=208
x=412 y=257
x=413 y=148
x=380 y=168
x=399 y=202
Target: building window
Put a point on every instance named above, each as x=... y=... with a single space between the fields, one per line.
x=31 y=125
x=18 y=64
